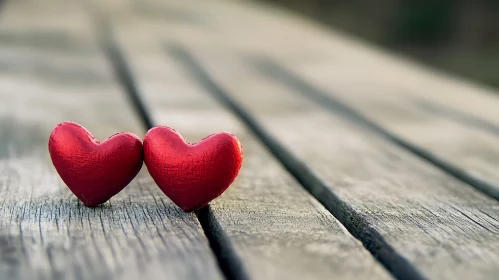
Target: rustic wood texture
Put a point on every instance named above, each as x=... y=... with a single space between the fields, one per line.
x=418 y=221
x=382 y=86
x=52 y=72
x=445 y=229
x=276 y=228
x=391 y=199
x=444 y=131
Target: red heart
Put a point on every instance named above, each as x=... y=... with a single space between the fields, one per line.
x=192 y=175
x=94 y=171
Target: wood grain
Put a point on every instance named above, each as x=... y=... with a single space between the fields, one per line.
x=378 y=84
x=420 y=222
x=439 y=226
x=447 y=134
x=276 y=228
x=45 y=232
x=383 y=194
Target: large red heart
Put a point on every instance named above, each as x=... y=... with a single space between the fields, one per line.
x=94 y=171
x=192 y=175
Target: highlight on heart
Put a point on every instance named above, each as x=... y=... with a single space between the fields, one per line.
x=191 y=175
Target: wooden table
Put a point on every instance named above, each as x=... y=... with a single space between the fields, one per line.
x=358 y=164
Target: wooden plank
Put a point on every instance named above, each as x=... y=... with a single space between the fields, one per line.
x=45 y=232
x=384 y=195
x=485 y=152
x=276 y=228
x=380 y=85
x=418 y=221
x=446 y=134
x=388 y=198
x=451 y=113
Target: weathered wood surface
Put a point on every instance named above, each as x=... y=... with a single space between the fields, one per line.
x=415 y=104
x=445 y=229
x=468 y=143
x=419 y=221
x=416 y=220
x=277 y=229
x=52 y=72
x=385 y=88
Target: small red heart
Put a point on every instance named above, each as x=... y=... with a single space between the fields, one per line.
x=192 y=175
x=94 y=171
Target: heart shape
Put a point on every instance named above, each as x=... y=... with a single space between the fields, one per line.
x=94 y=171
x=192 y=175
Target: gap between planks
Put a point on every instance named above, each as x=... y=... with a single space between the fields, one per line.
x=455 y=225
x=372 y=240
x=45 y=233
x=332 y=105
x=229 y=262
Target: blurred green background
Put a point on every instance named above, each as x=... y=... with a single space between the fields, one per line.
x=461 y=37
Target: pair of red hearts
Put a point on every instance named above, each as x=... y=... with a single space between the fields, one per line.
x=191 y=175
